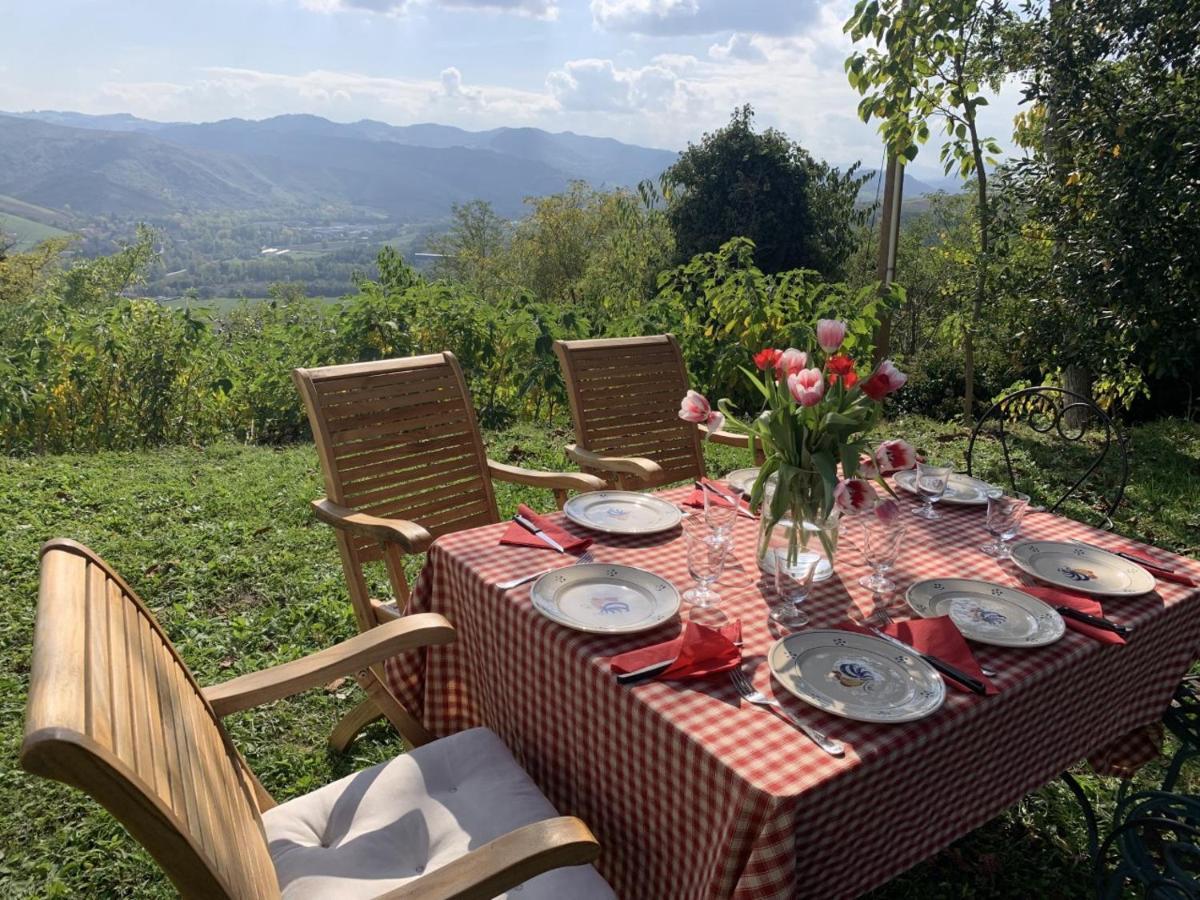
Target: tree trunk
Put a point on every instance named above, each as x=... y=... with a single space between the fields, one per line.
x=981 y=270
x=889 y=234
x=1077 y=380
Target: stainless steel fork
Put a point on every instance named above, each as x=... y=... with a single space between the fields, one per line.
x=583 y=559
x=752 y=695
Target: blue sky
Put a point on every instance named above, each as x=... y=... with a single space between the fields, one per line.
x=653 y=72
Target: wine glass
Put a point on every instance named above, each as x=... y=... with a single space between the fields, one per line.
x=881 y=546
x=1004 y=514
x=793 y=583
x=932 y=479
x=718 y=512
x=706 y=553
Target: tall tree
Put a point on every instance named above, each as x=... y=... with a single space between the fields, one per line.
x=931 y=61
x=738 y=182
x=473 y=249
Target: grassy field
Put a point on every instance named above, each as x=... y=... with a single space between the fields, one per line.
x=220 y=543
x=27 y=232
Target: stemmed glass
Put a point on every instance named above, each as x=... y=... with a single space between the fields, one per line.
x=881 y=546
x=793 y=583
x=706 y=553
x=932 y=479
x=718 y=513
x=1004 y=514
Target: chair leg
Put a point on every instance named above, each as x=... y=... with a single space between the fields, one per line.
x=1089 y=814
x=352 y=723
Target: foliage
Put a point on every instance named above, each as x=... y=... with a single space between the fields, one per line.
x=737 y=182
x=222 y=546
x=725 y=308
x=1112 y=179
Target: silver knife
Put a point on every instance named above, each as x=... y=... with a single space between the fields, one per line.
x=538 y=533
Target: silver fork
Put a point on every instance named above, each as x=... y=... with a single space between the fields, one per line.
x=583 y=559
x=752 y=695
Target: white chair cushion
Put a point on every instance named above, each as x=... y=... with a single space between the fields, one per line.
x=382 y=827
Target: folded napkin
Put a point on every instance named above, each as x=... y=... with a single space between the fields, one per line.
x=696 y=498
x=1082 y=602
x=1160 y=570
x=697 y=652
x=519 y=537
x=937 y=636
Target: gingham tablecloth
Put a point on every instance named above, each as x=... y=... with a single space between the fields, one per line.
x=693 y=794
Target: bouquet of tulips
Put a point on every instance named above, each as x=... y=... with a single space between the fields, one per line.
x=817 y=412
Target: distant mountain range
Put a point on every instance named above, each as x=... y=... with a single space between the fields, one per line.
x=120 y=165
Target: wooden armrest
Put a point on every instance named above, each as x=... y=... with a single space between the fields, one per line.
x=728 y=438
x=565 y=481
x=630 y=465
x=350 y=656
x=409 y=535
x=509 y=860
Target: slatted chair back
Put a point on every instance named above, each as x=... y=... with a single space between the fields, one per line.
x=114 y=712
x=1090 y=447
x=624 y=396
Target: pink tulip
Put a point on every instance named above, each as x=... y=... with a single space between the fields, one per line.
x=695 y=408
x=886 y=379
x=790 y=362
x=830 y=334
x=807 y=386
x=867 y=468
x=888 y=511
x=892 y=456
x=855 y=495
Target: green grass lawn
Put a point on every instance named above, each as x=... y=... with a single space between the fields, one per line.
x=27 y=232
x=220 y=543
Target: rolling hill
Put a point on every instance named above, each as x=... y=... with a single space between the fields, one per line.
x=123 y=165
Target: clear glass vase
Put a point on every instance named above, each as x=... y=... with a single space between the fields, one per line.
x=804 y=540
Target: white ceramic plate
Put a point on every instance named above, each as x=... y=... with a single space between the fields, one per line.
x=961 y=490
x=856 y=676
x=742 y=479
x=622 y=512
x=605 y=599
x=988 y=613
x=1079 y=568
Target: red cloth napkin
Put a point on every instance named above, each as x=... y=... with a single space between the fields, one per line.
x=1160 y=570
x=1083 y=603
x=518 y=536
x=696 y=498
x=937 y=636
x=697 y=652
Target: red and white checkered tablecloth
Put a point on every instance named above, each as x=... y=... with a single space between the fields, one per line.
x=693 y=794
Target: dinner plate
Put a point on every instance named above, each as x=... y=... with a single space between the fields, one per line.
x=961 y=490
x=1081 y=568
x=622 y=512
x=856 y=676
x=605 y=599
x=743 y=479
x=988 y=613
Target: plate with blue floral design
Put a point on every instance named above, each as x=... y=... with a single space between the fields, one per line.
x=605 y=599
x=988 y=613
x=622 y=512
x=1078 y=567
x=856 y=676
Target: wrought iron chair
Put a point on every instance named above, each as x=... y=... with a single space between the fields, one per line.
x=1073 y=417
x=624 y=395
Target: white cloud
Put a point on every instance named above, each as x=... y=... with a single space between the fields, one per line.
x=739 y=46
x=679 y=17
x=597 y=85
x=533 y=9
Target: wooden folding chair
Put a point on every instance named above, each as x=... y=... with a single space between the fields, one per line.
x=625 y=395
x=115 y=712
x=404 y=462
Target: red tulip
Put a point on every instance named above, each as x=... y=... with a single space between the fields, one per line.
x=886 y=379
x=855 y=495
x=841 y=368
x=767 y=358
x=892 y=456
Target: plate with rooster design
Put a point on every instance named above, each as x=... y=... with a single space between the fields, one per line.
x=1077 y=567
x=622 y=512
x=856 y=676
x=605 y=599
x=988 y=613
x=961 y=490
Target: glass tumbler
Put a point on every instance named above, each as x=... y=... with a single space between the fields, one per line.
x=932 y=479
x=1004 y=514
x=706 y=553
